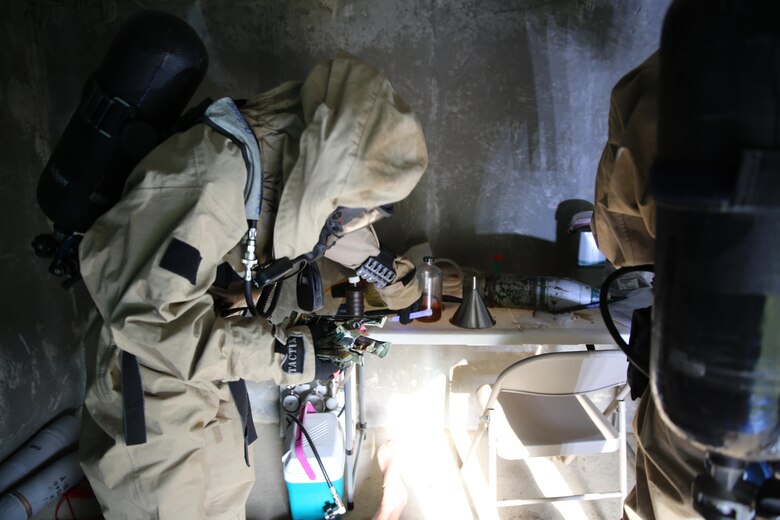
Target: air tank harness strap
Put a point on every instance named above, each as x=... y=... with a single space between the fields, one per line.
x=105 y=113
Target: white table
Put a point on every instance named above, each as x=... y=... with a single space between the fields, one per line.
x=513 y=327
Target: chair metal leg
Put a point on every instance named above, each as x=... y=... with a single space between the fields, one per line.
x=475 y=443
x=492 y=471
x=623 y=451
x=553 y=500
x=621 y=396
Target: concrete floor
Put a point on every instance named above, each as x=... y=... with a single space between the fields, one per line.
x=422 y=397
x=431 y=416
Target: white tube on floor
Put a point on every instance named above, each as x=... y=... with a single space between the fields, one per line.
x=61 y=434
x=37 y=492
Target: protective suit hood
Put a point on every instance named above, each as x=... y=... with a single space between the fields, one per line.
x=362 y=147
x=624 y=215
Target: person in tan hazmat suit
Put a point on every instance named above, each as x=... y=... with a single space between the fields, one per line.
x=624 y=225
x=166 y=424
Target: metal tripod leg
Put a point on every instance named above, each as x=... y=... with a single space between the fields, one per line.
x=353 y=393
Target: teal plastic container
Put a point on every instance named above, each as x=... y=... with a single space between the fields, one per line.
x=308 y=497
x=308 y=501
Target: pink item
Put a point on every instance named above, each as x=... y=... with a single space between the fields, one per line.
x=299 y=454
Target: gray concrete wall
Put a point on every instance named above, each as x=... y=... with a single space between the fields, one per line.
x=513 y=96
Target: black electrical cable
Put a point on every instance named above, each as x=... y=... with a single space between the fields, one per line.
x=607 y=317
x=313 y=449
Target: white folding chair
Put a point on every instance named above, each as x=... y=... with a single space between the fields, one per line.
x=539 y=407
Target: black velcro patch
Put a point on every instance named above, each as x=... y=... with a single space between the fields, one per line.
x=293 y=355
x=182 y=259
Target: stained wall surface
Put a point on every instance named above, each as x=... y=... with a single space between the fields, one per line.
x=513 y=97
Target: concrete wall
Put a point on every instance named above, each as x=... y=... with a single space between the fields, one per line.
x=513 y=96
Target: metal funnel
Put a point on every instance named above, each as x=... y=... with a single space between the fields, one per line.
x=472 y=313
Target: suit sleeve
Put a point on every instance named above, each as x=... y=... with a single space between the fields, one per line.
x=149 y=261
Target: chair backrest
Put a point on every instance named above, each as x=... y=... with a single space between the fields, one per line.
x=563 y=373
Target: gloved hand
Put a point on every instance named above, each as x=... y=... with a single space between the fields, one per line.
x=320 y=328
x=294 y=351
x=324 y=367
x=342 y=345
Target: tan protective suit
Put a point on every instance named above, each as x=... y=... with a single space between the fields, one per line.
x=342 y=138
x=624 y=222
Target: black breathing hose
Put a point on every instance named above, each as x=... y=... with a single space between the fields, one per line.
x=250 y=300
x=607 y=317
x=266 y=303
x=313 y=449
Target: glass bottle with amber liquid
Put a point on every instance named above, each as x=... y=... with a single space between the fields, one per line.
x=430 y=281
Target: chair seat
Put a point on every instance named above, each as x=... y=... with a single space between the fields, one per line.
x=539 y=407
x=550 y=426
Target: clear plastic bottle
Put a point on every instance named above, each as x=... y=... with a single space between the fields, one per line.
x=430 y=281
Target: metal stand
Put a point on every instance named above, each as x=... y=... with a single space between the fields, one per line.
x=353 y=395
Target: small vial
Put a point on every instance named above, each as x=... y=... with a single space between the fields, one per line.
x=430 y=281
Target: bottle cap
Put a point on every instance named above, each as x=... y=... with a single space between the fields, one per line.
x=354 y=280
x=428 y=259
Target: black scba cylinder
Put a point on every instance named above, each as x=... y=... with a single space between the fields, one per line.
x=715 y=366
x=129 y=105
